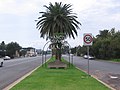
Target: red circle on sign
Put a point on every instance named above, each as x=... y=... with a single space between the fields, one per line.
x=89 y=37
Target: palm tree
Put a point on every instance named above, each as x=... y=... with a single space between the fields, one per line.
x=58 y=19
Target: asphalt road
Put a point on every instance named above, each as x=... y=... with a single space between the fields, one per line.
x=15 y=68
x=108 y=72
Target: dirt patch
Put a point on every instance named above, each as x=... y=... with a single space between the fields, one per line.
x=57 y=64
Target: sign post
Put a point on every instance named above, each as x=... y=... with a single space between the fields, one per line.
x=88 y=40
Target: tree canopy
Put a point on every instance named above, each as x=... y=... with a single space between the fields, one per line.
x=58 y=18
x=106 y=45
x=12 y=47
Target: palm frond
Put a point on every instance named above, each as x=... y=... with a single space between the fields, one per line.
x=58 y=18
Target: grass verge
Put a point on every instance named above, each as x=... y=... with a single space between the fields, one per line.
x=115 y=60
x=59 y=79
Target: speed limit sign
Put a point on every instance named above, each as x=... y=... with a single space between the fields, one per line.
x=88 y=39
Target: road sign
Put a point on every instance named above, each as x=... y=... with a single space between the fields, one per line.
x=87 y=39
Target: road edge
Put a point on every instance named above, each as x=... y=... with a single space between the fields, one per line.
x=20 y=79
x=98 y=80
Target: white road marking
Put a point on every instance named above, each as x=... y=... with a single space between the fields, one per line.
x=113 y=77
x=18 y=63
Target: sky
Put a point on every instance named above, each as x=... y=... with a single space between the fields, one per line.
x=17 y=19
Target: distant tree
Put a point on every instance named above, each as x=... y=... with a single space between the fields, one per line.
x=73 y=50
x=82 y=50
x=2 y=49
x=11 y=48
x=115 y=45
x=107 y=44
x=2 y=46
x=103 y=34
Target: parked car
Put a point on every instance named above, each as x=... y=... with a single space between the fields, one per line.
x=88 y=57
x=91 y=57
x=85 y=56
x=1 y=62
x=7 y=58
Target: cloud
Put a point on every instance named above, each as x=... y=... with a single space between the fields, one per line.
x=101 y=15
x=18 y=8
x=29 y=6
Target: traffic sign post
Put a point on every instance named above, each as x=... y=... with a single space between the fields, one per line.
x=88 y=40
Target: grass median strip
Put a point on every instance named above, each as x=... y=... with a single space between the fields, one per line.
x=59 y=79
x=115 y=60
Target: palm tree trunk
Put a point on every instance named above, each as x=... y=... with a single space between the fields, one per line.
x=56 y=54
x=59 y=54
x=59 y=51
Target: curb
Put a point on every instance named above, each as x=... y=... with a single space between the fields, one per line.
x=20 y=79
x=98 y=80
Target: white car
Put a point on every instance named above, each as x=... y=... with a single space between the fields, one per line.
x=91 y=57
x=88 y=57
x=1 y=62
x=7 y=58
x=85 y=56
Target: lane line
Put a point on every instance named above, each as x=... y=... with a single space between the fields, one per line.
x=19 y=63
x=22 y=61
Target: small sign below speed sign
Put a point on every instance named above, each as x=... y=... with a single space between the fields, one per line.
x=87 y=39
